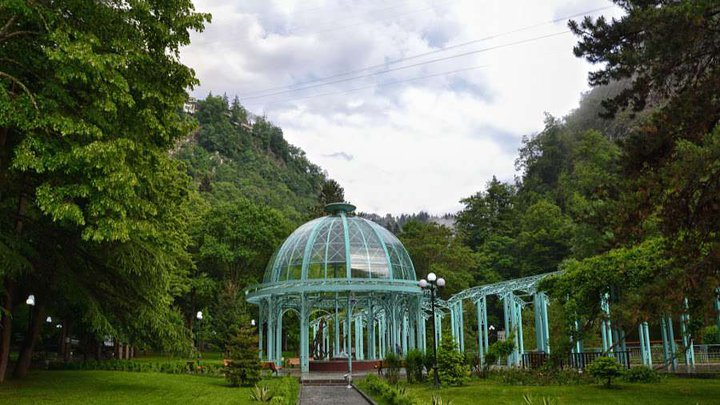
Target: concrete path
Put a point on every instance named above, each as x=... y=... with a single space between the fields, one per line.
x=331 y=395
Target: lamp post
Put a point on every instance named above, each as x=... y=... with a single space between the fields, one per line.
x=199 y=317
x=433 y=283
x=31 y=303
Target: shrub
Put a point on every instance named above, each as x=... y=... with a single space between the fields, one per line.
x=261 y=393
x=244 y=366
x=529 y=400
x=393 y=363
x=641 y=374
x=605 y=368
x=286 y=391
x=437 y=400
x=501 y=349
x=414 y=365
x=389 y=394
x=451 y=365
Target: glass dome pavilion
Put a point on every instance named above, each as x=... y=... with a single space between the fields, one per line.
x=340 y=266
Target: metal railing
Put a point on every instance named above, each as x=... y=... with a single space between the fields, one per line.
x=574 y=360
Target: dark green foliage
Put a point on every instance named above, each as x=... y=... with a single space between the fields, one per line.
x=711 y=335
x=605 y=368
x=451 y=365
x=243 y=369
x=641 y=374
x=393 y=363
x=414 y=365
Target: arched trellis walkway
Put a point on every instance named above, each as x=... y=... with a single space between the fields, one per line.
x=519 y=293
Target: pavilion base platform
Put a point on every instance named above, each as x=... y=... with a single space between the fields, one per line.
x=341 y=365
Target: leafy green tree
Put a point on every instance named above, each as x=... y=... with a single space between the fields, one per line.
x=605 y=368
x=487 y=213
x=331 y=192
x=544 y=238
x=434 y=248
x=90 y=94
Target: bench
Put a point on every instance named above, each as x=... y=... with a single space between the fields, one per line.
x=293 y=362
x=382 y=364
x=265 y=365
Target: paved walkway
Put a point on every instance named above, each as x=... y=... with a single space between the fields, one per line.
x=330 y=394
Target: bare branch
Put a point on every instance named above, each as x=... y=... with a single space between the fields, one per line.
x=7 y=25
x=19 y=83
x=15 y=34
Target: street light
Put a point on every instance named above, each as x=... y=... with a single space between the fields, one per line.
x=433 y=283
x=31 y=302
x=199 y=317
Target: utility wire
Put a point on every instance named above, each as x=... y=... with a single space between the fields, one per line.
x=410 y=66
x=372 y=86
x=443 y=49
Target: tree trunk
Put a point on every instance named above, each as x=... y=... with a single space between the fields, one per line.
x=6 y=338
x=26 y=351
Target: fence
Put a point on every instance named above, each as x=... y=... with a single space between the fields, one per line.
x=573 y=360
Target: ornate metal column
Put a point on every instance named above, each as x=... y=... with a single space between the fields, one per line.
x=687 y=338
x=482 y=328
x=371 y=330
x=669 y=347
x=645 y=348
x=278 y=336
x=272 y=316
x=304 y=331
x=542 y=333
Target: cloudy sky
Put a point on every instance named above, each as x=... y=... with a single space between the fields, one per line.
x=410 y=104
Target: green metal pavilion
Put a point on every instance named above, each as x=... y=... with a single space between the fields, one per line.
x=354 y=284
x=342 y=274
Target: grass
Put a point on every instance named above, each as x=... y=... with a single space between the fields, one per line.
x=667 y=391
x=117 y=387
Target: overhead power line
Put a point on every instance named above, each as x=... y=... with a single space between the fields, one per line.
x=372 y=86
x=435 y=51
x=477 y=51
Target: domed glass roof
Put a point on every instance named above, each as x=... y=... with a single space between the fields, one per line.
x=340 y=247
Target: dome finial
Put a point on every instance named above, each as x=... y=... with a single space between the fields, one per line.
x=338 y=207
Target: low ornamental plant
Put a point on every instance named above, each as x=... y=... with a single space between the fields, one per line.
x=605 y=368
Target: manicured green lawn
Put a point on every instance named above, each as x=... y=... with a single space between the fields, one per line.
x=117 y=387
x=668 y=391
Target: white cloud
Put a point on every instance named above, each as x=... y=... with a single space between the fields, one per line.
x=413 y=144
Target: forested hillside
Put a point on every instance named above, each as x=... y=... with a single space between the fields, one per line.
x=254 y=188
x=236 y=151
